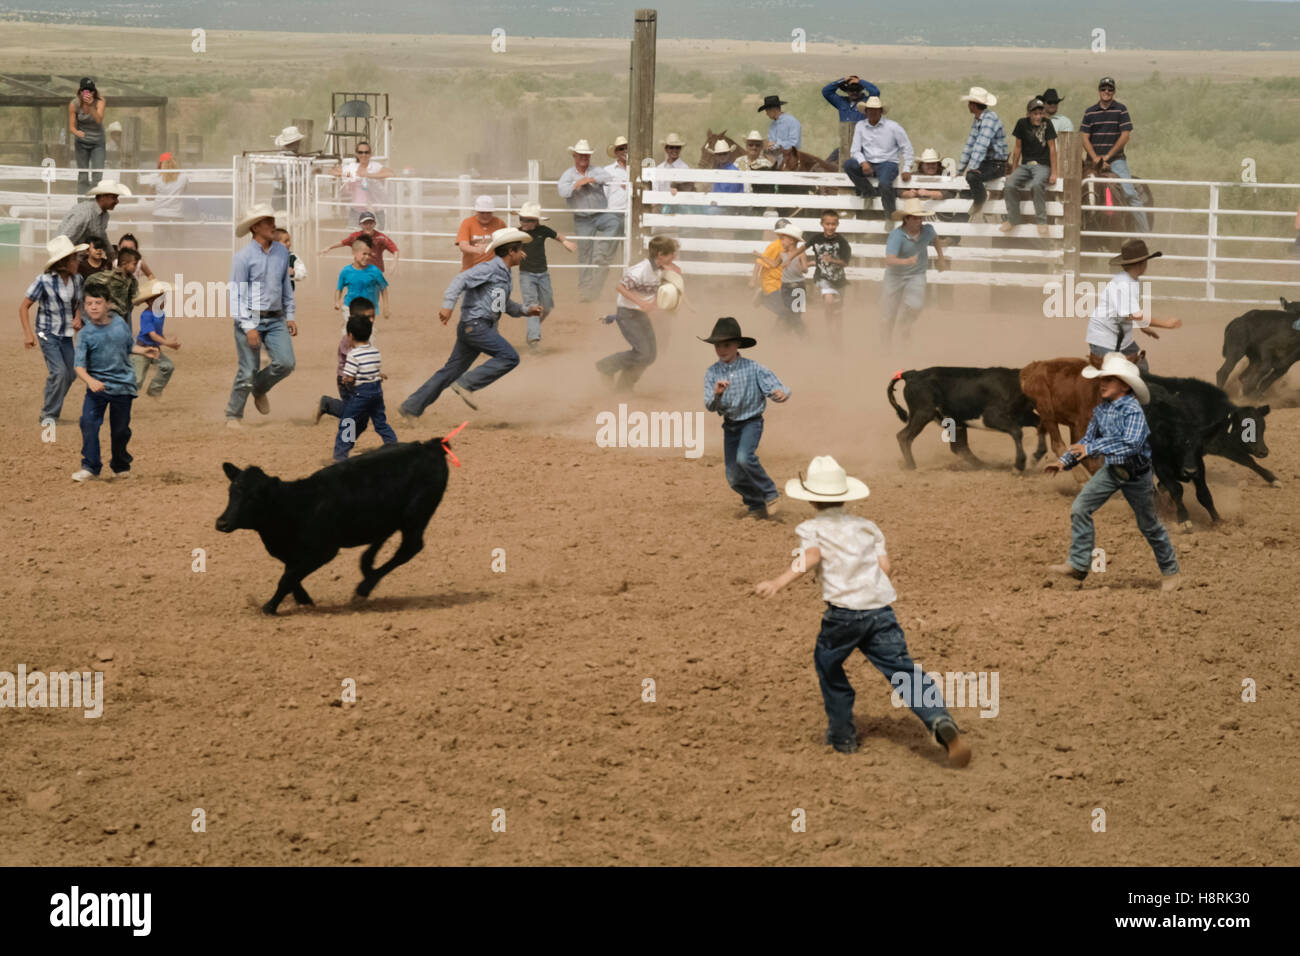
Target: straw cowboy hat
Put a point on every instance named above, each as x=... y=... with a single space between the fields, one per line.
x=790 y=231
x=618 y=141
x=825 y=481
x=871 y=103
x=582 y=146
x=107 y=187
x=151 y=290
x=1115 y=365
x=929 y=155
x=290 y=134
x=911 y=207
x=727 y=329
x=671 y=289
x=672 y=139
x=503 y=237
x=1133 y=252
x=60 y=247
x=531 y=210
x=980 y=95
x=722 y=146
x=262 y=210
x=755 y=136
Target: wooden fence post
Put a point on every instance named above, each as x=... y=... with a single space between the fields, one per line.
x=640 y=121
x=1071 y=152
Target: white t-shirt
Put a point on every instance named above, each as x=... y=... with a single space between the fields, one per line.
x=643 y=279
x=616 y=191
x=167 y=196
x=1121 y=298
x=850 y=569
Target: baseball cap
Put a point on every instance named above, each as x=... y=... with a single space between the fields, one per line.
x=484 y=204
x=1036 y=104
x=1106 y=81
x=87 y=83
x=366 y=216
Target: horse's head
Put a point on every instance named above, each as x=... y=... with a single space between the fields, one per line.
x=711 y=160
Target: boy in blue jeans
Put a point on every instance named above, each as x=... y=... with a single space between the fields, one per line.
x=854 y=568
x=103 y=362
x=738 y=389
x=328 y=404
x=1120 y=432
x=362 y=372
x=534 y=277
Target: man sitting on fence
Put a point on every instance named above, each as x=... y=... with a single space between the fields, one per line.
x=984 y=156
x=1033 y=165
x=877 y=145
x=582 y=187
x=1106 y=129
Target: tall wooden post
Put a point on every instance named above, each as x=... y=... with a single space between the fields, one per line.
x=640 y=121
x=1070 y=148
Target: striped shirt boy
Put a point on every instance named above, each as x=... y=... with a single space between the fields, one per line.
x=362 y=364
x=57 y=303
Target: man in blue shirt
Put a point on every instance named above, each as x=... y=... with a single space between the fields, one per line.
x=984 y=156
x=784 y=131
x=261 y=303
x=855 y=90
x=486 y=288
x=1119 y=431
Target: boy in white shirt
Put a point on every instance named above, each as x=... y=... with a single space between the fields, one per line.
x=855 y=586
x=636 y=300
x=1119 y=308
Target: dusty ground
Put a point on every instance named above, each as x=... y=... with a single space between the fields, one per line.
x=522 y=690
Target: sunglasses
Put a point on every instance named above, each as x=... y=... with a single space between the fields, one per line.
x=620 y=149
x=672 y=147
x=1107 y=89
x=363 y=152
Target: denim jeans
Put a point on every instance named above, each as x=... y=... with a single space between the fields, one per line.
x=473 y=338
x=629 y=366
x=595 y=254
x=334 y=406
x=248 y=377
x=535 y=289
x=876 y=633
x=1120 y=168
x=780 y=303
x=119 y=430
x=1139 y=492
x=901 y=299
x=744 y=472
x=90 y=165
x=1033 y=178
x=60 y=356
x=989 y=169
x=163 y=374
x=885 y=174
x=364 y=406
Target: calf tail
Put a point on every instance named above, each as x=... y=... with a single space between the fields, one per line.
x=889 y=393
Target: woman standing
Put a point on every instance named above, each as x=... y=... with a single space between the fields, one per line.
x=86 y=124
x=169 y=204
x=906 y=259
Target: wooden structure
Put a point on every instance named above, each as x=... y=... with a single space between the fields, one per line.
x=42 y=92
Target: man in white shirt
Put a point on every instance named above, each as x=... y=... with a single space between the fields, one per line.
x=878 y=144
x=618 y=196
x=1120 y=308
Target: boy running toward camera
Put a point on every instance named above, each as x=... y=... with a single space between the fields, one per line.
x=151 y=337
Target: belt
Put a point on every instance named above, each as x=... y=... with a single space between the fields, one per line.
x=268 y=314
x=1131 y=469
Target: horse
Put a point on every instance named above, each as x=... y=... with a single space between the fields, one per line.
x=712 y=160
x=1111 y=194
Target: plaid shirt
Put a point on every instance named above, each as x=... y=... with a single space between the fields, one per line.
x=1117 y=430
x=987 y=140
x=746 y=395
x=56 y=303
x=84 y=220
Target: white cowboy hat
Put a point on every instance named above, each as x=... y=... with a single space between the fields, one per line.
x=1115 y=365
x=755 y=135
x=262 y=210
x=980 y=95
x=582 y=146
x=871 y=103
x=722 y=146
x=531 y=210
x=151 y=289
x=825 y=481
x=106 y=187
x=113 y=127
x=673 y=139
x=484 y=203
x=618 y=141
x=911 y=207
x=929 y=155
x=60 y=247
x=290 y=134
x=668 y=297
x=506 y=236
x=790 y=231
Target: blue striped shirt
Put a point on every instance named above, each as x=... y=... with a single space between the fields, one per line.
x=747 y=391
x=486 y=288
x=363 y=364
x=785 y=132
x=260 y=281
x=987 y=140
x=1117 y=430
x=56 y=303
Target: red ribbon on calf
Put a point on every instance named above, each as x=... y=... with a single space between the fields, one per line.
x=447 y=448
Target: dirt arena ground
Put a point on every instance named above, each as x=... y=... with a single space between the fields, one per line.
x=522 y=690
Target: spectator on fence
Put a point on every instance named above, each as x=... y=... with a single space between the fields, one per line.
x=754 y=160
x=87 y=219
x=169 y=204
x=86 y=124
x=845 y=94
x=927 y=164
x=95 y=258
x=618 y=193
x=113 y=152
x=984 y=157
x=363 y=180
x=879 y=146
x=56 y=293
x=1033 y=165
x=475 y=233
x=582 y=187
x=1106 y=129
x=380 y=243
x=902 y=296
x=1061 y=123
x=784 y=131
x=721 y=148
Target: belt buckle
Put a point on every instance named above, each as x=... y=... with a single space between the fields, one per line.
x=1122 y=473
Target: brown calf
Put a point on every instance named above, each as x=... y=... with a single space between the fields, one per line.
x=1062 y=396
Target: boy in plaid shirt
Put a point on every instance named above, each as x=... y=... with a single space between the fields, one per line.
x=1119 y=431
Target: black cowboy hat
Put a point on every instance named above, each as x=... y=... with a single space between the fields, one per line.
x=1051 y=96
x=770 y=101
x=727 y=329
x=1133 y=252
